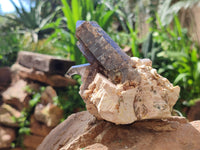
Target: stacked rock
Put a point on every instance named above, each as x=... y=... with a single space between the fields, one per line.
x=31 y=71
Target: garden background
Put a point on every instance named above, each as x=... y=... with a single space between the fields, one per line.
x=165 y=31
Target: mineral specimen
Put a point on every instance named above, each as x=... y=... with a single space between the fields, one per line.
x=116 y=87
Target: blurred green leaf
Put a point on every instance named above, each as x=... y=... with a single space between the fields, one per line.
x=24 y=130
x=180 y=77
x=35 y=99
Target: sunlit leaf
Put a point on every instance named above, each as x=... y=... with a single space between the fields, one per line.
x=180 y=77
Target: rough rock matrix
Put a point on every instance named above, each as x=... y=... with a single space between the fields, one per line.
x=152 y=97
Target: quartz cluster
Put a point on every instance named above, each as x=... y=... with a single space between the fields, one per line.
x=152 y=97
x=116 y=87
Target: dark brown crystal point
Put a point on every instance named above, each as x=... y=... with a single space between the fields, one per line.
x=100 y=49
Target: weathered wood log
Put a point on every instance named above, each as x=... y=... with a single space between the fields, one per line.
x=45 y=63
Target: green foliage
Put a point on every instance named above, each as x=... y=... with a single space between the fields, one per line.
x=168 y=9
x=22 y=30
x=134 y=41
x=31 y=21
x=35 y=100
x=121 y=38
x=175 y=56
x=69 y=99
x=165 y=8
x=9 y=47
x=73 y=11
x=24 y=119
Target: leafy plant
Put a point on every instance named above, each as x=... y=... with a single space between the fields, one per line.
x=175 y=56
x=33 y=19
x=167 y=9
x=24 y=119
x=134 y=41
x=73 y=11
x=9 y=47
x=69 y=99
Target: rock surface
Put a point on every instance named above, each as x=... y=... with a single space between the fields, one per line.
x=26 y=84
x=150 y=98
x=53 y=80
x=5 y=77
x=38 y=128
x=194 y=112
x=32 y=141
x=50 y=114
x=45 y=63
x=6 y=115
x=48 y=95
x=82 y=130
x=16 y=95
x=7 y=136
